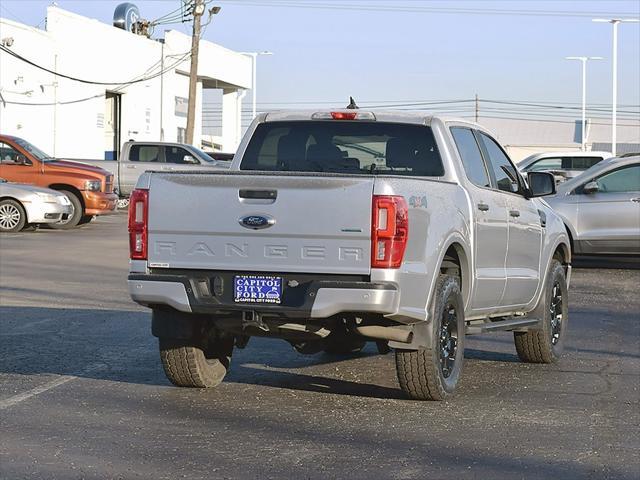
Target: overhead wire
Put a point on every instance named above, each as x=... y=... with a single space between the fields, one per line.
x=121 y=86
x=70 y=77
x=370 y=7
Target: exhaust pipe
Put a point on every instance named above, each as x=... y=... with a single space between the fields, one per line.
x=385 y=333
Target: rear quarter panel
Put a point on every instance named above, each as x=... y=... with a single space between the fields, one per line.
x=439 y=216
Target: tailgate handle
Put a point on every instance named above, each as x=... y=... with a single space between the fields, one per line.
x=258 y=194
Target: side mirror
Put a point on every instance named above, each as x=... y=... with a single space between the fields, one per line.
x=541 y=184
x=590 y=188
x=189 y=159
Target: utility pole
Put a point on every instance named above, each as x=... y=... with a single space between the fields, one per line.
x=477 y=108
x=198 y=10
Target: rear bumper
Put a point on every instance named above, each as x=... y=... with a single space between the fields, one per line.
x=99 y=203
x=310 y=298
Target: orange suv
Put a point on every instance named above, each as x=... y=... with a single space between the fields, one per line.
x=89 y=188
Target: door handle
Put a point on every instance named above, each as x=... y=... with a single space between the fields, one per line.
x=514 y=213
x=258 y=194
x=637 y=199
x=483 y=207
x=131 y=166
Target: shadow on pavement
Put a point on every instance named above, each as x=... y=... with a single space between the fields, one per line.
x=472 y=354
x=310 y=383
x=604 y=261
x=117 y=346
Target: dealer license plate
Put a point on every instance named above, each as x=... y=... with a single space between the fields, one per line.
x=257 y=289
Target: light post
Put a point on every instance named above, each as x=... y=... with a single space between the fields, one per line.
x=254 y=57
x=614 y=101
x=584 y=96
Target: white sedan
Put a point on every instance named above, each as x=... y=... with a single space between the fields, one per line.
x=23 y=205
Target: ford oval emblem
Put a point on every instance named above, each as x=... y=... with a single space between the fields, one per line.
x=257 y=222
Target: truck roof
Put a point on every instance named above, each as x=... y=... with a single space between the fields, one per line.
x=420 y=117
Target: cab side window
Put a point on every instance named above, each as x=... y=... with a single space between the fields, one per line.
x=545 y=164
x=581 y=163
x=620 y=181
x=144 y=153
x=9 y=156
x=504 y=172
x=471 y=157
x=178 y=155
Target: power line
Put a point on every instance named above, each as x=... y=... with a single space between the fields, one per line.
x=558 y=107
x=120 y=88
x=358 y=6
x=421 y=101
x=538 y=120
x=173 y=13
x=69 y=77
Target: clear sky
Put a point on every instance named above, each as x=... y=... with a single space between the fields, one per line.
x=409 y=51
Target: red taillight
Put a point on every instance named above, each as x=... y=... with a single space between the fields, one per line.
x=344 y=115
x=389 y=231
x=138 y=216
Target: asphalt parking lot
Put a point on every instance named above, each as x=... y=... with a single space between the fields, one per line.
x=83 y=395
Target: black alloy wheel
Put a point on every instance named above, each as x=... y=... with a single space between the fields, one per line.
x=448 y=339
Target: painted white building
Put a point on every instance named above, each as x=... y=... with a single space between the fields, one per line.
x=68 y=118
x=522 y=138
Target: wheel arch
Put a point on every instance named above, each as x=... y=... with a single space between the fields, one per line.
x=72 y=189
x=457 y=262
x=24 y=208
x=563 y=251
x=570 y=234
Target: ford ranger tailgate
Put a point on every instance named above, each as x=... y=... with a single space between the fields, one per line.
x=263 y=223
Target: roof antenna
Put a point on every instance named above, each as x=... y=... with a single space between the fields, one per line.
x=352 y=104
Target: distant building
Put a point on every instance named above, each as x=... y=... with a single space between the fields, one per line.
x=67 y=118
x=522 y=138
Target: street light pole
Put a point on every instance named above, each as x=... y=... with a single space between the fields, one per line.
x=254 y=68
x=614 y=100
x=584 y=96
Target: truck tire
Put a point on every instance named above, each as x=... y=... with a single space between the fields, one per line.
x=546 y=344
x=188 y=364
x=86 y=219
x=433 y=374
x=13 y=218
x=74 y=217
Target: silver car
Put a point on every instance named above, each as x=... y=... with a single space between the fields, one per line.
x=563 y=165
x=601 y=207
x=22 y=205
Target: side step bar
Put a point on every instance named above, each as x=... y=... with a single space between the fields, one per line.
x=495 y=326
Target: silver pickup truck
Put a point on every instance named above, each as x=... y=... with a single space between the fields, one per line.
x=137 y=157
x=334 y=228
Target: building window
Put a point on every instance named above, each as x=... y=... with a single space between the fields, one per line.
x=182 y=135
x=181 y=106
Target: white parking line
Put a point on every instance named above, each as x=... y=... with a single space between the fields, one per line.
x=61 y=380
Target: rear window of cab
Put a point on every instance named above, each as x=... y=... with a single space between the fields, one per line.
x=353 y=147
